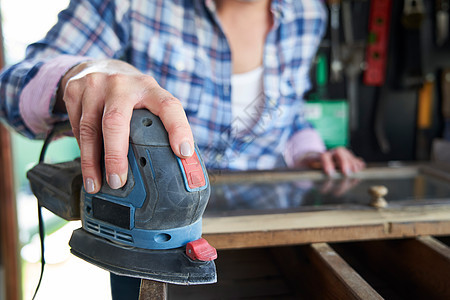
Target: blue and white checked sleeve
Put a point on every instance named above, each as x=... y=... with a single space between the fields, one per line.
x=87 y=28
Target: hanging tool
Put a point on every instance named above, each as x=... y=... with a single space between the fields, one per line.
x=336 y=62
x=445 y=87
x=413 y=13
x=377 y=47
x=376 y=62
x=442 y=21
x=424 y=119
x=151 y=227
x=411 y=59
x=353 y=58
x=379 y=129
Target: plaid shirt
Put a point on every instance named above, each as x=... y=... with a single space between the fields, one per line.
x=181 y=44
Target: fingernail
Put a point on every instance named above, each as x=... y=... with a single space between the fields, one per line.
x=185 y=149
x=89 y=185
x=348 y=172
x=114 y=181
x=331 y=172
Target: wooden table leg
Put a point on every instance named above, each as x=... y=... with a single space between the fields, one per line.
x=153 y=290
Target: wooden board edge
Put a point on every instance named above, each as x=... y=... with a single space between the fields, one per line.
x=289 y=237
x=324 y=219
x=340 y=274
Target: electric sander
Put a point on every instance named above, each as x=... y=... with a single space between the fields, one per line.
x=151 y=227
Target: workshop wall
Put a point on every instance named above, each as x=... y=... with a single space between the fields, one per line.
x=397 y=117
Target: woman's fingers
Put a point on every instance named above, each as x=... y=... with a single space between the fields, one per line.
x=346 y=161
x=340 y=159
x=343 y=160
x=328 y=165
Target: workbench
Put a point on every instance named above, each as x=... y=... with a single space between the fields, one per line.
x=301 y=235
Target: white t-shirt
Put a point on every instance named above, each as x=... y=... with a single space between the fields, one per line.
x=247 y=99
x=247 y=104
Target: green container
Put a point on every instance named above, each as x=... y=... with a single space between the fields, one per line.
x=330 y=118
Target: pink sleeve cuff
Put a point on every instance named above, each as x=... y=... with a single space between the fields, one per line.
x=37 y=98
x=301 y=143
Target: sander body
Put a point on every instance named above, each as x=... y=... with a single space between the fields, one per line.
x=151 y=227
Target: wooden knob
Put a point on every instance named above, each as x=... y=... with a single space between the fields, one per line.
x=378 y=192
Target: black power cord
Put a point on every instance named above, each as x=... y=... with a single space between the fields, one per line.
x=58 y=129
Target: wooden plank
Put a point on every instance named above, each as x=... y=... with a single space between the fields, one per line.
x=413 y=268
x=376 y=172
x=8 y=220
x=153 y=290
x=325 y=226
x=436 y=246
x=317 y=272
x=325 y=219
x=430 y=261
x=8 y=216
x=337 y=276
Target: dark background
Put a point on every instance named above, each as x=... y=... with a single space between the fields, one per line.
x=413 y=58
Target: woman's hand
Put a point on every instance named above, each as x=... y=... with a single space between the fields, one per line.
x=336 y=159
x=99 y=98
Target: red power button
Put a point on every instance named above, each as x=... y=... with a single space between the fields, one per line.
x=194 y=171
x=201 y=250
